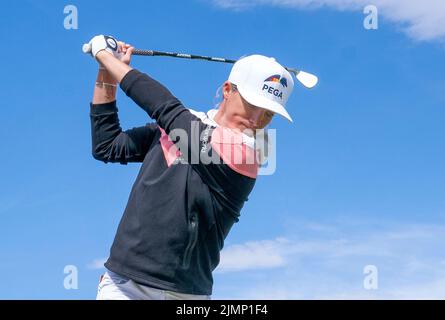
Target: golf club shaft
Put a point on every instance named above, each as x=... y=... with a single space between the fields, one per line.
x=139 y=52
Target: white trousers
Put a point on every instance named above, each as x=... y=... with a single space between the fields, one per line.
x=113 y=286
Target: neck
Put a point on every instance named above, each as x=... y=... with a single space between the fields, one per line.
x=222 y=121
x=221 y=118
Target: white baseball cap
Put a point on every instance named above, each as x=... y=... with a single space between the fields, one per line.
x=263 y=82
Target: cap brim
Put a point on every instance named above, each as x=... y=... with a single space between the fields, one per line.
x=264 y=103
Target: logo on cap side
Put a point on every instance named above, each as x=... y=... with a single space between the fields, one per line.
x=277 y=78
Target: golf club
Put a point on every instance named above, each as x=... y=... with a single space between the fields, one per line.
x=306 y=79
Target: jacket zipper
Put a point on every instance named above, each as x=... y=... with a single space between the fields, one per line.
x=193 y=238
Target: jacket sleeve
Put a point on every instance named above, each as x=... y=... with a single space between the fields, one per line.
x=110 y=143
x=170 y=114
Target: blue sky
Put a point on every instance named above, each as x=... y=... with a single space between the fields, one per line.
x=360 y=176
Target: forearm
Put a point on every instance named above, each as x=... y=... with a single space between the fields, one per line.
x=105 y=87
x=111 y=72
x=116 y=68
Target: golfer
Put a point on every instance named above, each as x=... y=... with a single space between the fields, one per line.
x=197 y=171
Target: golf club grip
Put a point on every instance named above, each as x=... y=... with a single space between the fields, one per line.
x=140 y=52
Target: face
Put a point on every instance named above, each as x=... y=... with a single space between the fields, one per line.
x=241 y=114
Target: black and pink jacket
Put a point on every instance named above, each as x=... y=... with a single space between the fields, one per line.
x=180 y=209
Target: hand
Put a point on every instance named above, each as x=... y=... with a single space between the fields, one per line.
x=126 y=51
x=100 y=43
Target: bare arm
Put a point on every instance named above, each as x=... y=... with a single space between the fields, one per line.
x=110 y=73
x=105 y=88
x=116 y=68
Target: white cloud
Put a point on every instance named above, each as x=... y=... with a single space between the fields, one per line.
x=421 y=20
x=329 y=264
x=97 y=264
x=268 y=254
x=253 y=255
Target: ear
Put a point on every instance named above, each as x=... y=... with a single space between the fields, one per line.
x=226 y=89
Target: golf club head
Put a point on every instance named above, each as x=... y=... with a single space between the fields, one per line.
x=306 y=79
